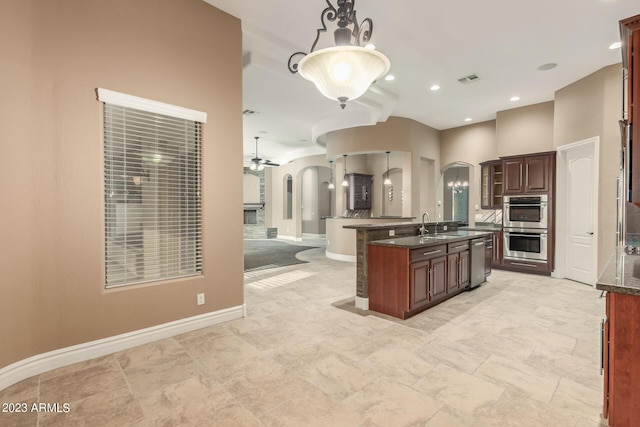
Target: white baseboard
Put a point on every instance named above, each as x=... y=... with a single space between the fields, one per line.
x=340 y=257
x=292 y=238
x=362 y=303
x=313 y=236
x=44 y=362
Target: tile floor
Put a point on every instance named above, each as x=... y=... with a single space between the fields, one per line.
x=520 y=350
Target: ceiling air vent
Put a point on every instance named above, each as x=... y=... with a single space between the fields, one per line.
x=249 y=113
x=469 y=79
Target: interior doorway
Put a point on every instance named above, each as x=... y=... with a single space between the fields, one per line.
x=315 y=201
x=577 y=208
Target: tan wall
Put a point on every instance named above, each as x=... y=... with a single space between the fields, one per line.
x=397 y=134
x=472 y=144
x=55 y=55
x=525 y=130
x=587 y=108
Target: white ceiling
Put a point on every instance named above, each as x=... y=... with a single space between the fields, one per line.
x=427 y=42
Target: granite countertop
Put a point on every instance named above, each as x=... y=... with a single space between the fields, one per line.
x=369 y=217
x=395 y=224
x=412 y=242
x=494 y=227
x=621 y=275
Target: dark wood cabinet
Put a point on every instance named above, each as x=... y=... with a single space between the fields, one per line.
x=404 y=282
x=630 y=36
x=464 y=271
x=497 y=249
x=458 y=273
x=620 y=361
x=358 y=191
x=491 y=184
x=438 y=280
x=419 y=294
x=528 y=174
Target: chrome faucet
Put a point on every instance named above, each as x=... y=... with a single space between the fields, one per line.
x=423 y=229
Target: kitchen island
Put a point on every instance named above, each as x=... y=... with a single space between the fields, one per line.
x=369 y=232
x=620 y=339
x=411 y=274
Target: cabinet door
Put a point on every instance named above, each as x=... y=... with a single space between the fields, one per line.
x=438 y=277
x=497 y=249
x=536 y=174
x=419 y=286
x=634 y=113
x=463 y=271
x=512 y=172
x=453 y=282
x=496 y=185
x=485 y=187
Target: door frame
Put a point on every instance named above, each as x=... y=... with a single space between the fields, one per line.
x=562 y=233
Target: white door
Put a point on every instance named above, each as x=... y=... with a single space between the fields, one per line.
x=581 y=226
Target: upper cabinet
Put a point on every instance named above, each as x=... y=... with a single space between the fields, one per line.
x=630 y=36
x=491 y=184
x=358 y=191
x=528 y=174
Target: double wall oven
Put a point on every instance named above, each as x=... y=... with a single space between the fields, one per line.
x=525 y=225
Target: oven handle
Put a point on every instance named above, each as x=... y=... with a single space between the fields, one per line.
x=526 y=235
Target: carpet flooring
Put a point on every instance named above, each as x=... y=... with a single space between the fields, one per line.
x=262 y=254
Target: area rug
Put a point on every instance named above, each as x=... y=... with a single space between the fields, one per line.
x=262 y=254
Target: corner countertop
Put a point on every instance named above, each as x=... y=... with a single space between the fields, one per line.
x=621 y=275
x=413 y=242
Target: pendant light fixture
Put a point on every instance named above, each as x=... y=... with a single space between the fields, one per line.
x=456 y=185
x=331 y=184
x=256 y=164
x=387 y=180
x=345 y=183
x=345 y=71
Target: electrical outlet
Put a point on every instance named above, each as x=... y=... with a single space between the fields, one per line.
x=444 y=228
x=200 y=299
x=392 y=233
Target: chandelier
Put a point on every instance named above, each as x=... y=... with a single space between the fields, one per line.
x=457 y=186
x=343 y=72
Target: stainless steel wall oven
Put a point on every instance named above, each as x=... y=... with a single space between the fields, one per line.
x=525 y=244
x=526 y=212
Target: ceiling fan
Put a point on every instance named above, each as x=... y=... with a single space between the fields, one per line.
x=258 y=164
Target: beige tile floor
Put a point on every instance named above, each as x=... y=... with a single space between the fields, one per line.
x=519 y=351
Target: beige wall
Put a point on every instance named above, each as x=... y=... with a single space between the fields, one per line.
x=525 y=130
x=472 y=144
x=54 y=56
x=397 y=134
x=587 y=108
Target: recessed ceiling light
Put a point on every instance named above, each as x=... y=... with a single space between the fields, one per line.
x=262 y=131
x=435 y=87
x=616 y=45
x=390 y=77
x=515 y=98
x=468 y=119
x=549 y=66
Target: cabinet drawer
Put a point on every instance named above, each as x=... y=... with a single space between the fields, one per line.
x=426 y=253
x=526 y=266
x=457 y=247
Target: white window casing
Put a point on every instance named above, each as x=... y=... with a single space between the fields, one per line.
x=152 y=180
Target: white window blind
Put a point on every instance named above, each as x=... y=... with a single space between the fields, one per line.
x=152 y=180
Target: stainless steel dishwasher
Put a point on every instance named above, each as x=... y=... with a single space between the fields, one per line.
x=477 y=263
